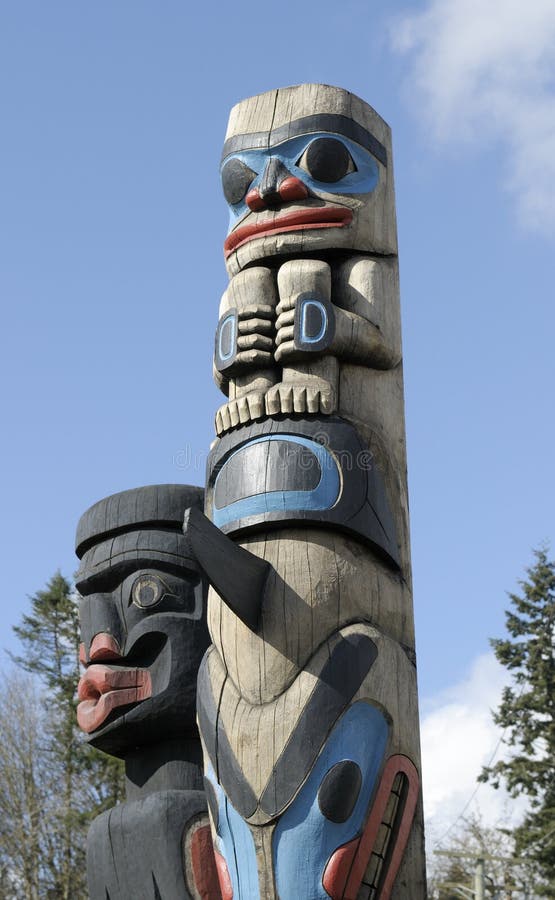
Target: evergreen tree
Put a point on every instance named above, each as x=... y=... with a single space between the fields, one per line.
x=527 y=714
x=84 y=781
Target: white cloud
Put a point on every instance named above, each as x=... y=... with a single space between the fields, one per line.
x=485 y=72
x=458 y=738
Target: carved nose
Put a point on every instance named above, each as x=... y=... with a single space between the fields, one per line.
x=101 y=628
x=104 y=646
x=277 y=187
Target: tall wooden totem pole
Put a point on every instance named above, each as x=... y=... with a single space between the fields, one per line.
x=306 y=698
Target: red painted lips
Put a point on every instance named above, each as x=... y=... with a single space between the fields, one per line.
x=321 y=217
x=103 y=688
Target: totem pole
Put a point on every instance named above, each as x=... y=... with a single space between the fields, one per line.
x=143 y=624
x=307 y=701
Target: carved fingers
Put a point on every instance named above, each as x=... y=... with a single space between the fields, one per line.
x=285 y=336
x=264 y=323
x=245 y=333
x=255 y=336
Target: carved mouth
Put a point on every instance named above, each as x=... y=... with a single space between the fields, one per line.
x=324 y=217
x=104 y=688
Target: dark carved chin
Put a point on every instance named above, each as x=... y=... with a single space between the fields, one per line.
x=105 y=688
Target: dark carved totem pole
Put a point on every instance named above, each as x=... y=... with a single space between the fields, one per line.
x=143 y=625
x=306 y=698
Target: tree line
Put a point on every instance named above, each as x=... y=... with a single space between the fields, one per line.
x=51 y=784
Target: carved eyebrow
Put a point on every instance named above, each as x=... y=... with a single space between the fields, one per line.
x=109 y=577
x=330 y=122
x=105 y=579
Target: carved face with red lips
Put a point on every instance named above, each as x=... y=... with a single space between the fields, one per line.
x=144 y=631
x=317 y=181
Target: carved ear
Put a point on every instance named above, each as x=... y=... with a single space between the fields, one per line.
x=238 y=576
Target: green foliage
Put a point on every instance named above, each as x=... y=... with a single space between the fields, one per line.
x=527 y=714
x=50 y=639
x=73 y=782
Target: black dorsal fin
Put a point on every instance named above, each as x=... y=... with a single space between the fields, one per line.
x=157 y=894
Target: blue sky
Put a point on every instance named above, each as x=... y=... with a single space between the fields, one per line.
x=111 y=269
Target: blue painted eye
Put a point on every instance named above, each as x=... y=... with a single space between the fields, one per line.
x=321 y=161
x=327 y=160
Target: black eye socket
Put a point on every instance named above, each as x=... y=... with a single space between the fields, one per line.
x=339 y=790
x=327 y=159
x=147 y=591
x=236 y=178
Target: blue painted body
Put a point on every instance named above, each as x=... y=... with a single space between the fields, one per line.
x=289 y=153
x=235 y=843
x=323 y=496
x=304 y=840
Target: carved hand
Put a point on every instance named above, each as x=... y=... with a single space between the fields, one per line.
x=305 y=323
x=244 y=365
x=244 y=339
x=354 y=328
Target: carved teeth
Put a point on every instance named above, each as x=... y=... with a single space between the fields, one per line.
x=283 y=398
x=273 y=403
x=244 y=411
x=299 y=400
x=234 y=414
x=312 y=400
x=256 y=405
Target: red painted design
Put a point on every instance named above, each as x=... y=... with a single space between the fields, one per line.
x=394 y=765
x=103 y=688
x=205 y=871
x=254 y=201
x=292 y=189
x=104 y=647
x=338 y=869
x=224 y=877
x=319 y=217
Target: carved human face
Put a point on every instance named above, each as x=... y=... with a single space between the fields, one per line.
x=144 y=633
x=321 y=182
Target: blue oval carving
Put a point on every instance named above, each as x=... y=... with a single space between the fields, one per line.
x=313 y=322
x=306 y=480
x=227 y=338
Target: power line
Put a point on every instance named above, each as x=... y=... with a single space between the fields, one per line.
x=479 y=784
x=474 y=792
